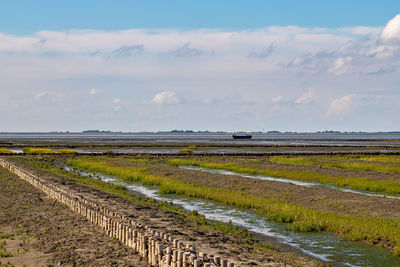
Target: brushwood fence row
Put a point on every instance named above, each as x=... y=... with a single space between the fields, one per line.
x=159 y=248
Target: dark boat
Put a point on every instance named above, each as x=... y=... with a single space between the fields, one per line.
x=242 y=136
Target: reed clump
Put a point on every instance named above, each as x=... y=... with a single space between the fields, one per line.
x=35 y=150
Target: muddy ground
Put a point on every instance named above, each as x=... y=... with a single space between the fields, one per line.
x=265 y=163
x=201 y=139
x=208 y=241
x=216 y=148
x=317 y=197
x=38 y=231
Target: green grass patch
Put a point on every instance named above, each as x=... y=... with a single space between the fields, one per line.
x=304 y=161
x=188 y=150
x=301 y=218
x=6 y=236
x=3 y=252
x=5 y=151
x=349 y=162
x=38 y=150
x=361 y=166
x=361 y=183
x=380 y=158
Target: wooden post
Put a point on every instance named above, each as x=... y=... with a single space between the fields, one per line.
x=197 y=263
x=174 y=258
x=160 y=255
x=180 y=258
x=217 y=260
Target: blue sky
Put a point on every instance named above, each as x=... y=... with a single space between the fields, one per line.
x=215 y=65
x=26 y=16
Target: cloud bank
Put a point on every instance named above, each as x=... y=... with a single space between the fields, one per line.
x=219 y=80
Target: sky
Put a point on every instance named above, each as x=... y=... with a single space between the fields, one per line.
x=233 y=65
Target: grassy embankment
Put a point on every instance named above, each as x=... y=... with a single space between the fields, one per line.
x=5 y=151
x=188 y=150
x=359 y=166
x=351 y=162
x=380 y=158
x=351 y=227
x=362 y=183
x=33 y=150
x=296 y=160
x=194 y=218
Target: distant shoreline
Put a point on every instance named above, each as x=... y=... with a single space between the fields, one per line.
x=208 y=133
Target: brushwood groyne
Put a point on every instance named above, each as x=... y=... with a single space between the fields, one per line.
x=158 y=248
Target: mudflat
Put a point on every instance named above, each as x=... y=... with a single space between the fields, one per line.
x=181 y=228
x=317 y=197
x=37 y=231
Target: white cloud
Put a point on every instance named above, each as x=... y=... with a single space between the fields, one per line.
x=391 y=33
x=167 y=98
x=41 y=95
x=340 y=65
x=381 y=52
x=94 y=91
x=277 y=99
x=306 y=98
x=9 y=43
x=341 y=106
x=117 y=104
x=205 y=52
x=178 y=43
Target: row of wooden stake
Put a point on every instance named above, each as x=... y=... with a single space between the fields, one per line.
x=159 y=248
